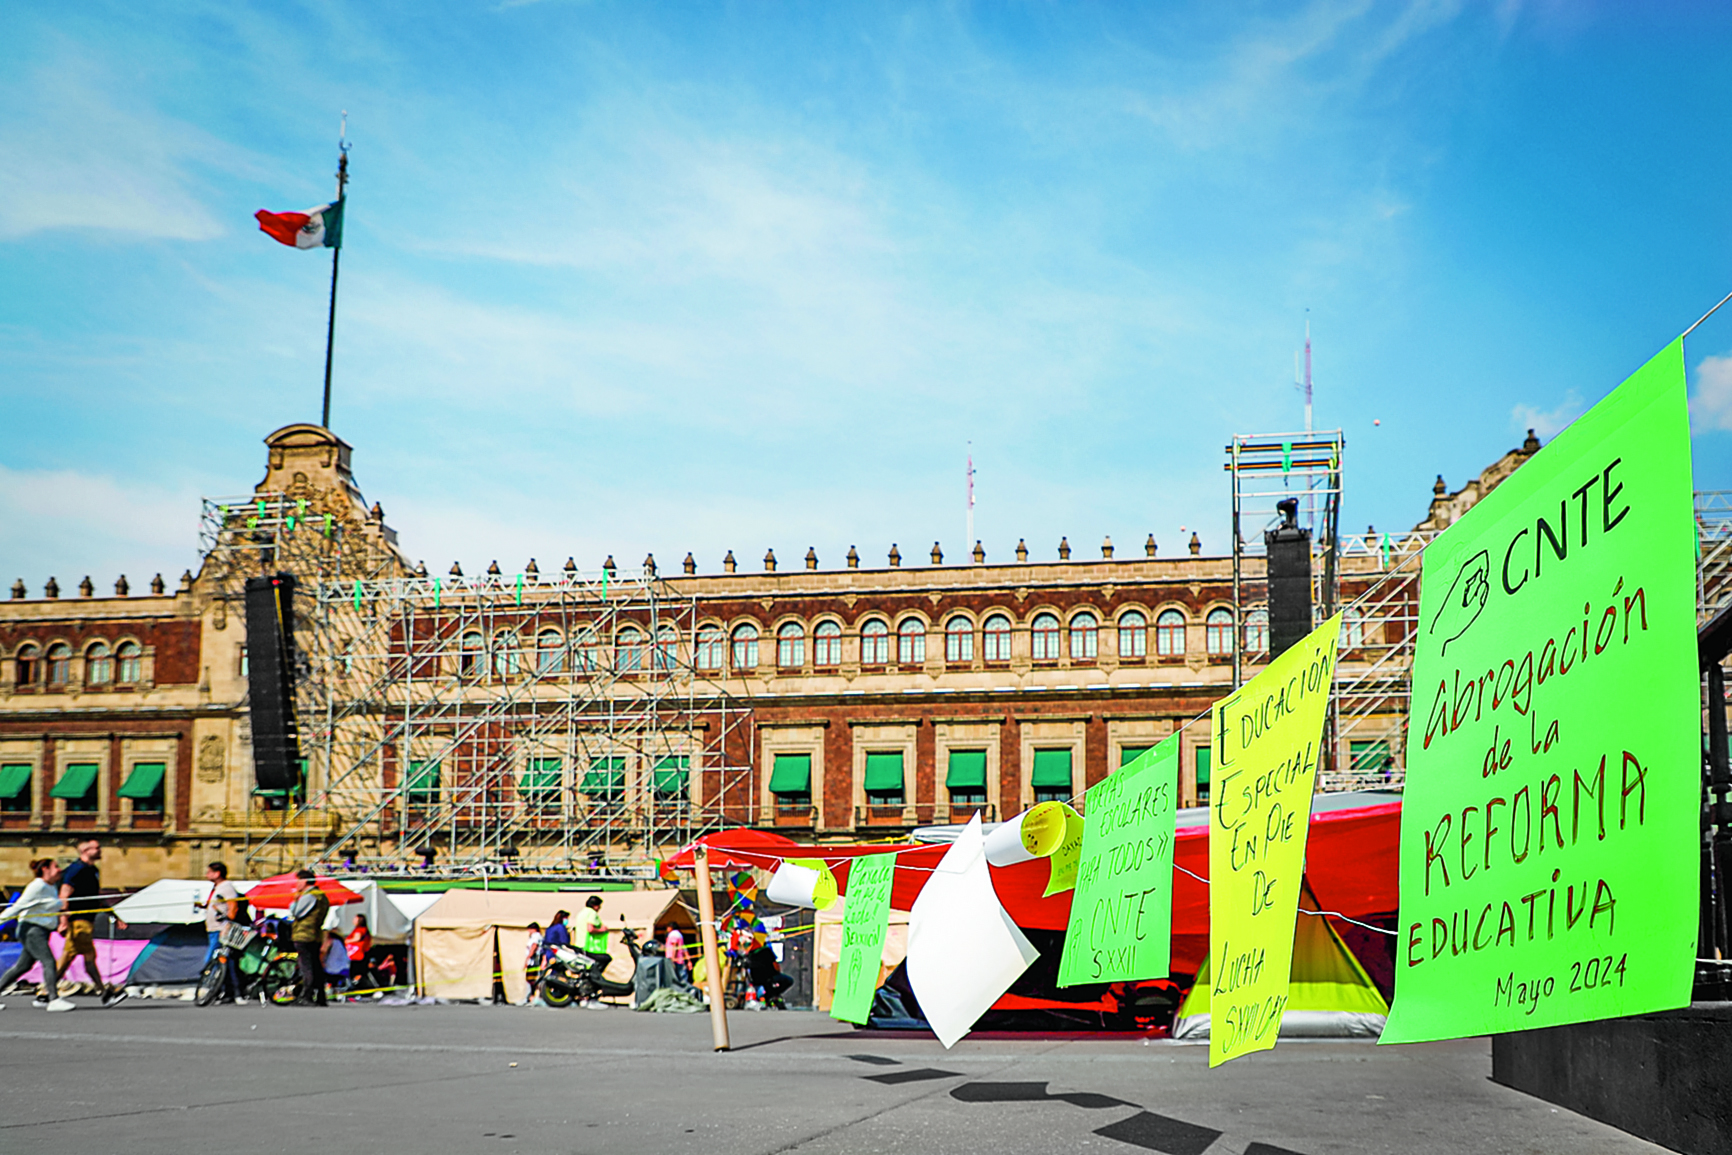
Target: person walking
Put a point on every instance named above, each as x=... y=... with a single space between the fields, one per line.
x=307 y=914
x=38 y=912
x=221 y=907
x=80 y=896
x=532 y=961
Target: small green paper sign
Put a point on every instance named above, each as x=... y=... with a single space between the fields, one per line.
x=1549 y=828
x=865 y=924
x=1121 y=916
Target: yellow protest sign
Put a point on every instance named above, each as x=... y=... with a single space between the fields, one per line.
x=1268 y=737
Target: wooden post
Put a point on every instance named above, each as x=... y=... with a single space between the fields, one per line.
x=712 y=956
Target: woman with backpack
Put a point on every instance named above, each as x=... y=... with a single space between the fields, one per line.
x=38 y=912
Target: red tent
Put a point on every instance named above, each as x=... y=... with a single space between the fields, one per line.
x=278 y=892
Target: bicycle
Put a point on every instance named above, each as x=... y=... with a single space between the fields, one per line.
x=262 y=969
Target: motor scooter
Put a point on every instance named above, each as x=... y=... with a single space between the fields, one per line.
x=569 y=974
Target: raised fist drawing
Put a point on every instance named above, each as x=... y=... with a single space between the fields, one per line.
x=1467 y=598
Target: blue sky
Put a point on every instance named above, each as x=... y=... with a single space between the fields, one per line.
x=628 y=277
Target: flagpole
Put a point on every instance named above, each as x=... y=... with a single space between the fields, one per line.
x=336 y=256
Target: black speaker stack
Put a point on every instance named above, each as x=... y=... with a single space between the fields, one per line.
x=1289 y=551
x=271 y=682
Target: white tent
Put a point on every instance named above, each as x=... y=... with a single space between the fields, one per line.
x=170 y=900
x=390 y=916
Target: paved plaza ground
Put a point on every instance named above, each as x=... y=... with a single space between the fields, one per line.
x=160 y=1076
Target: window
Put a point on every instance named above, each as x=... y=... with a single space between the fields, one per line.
x=1170 y=634
x=1352 y=629
x=1085 y=638
x=791 y=646
x=98 y=665
x=711 y=647
x=1257 y=632
x=77 y=786
x=911 y=642
x=629 y=650
x=469 y=655
x=791 y=781
x=422 y=786
x=59 y=664
x=995 y=638
x=745 y=647
x=667 y=650
x=540 y=785
x=1133 y=635
x=874 y=643
x=965 y=778
x=1369 y=757
x=1043 y=635
x=1202 y=775
x=1218 y=632
x=1051 y=776
x=959 y=640
x=604 y=781
x=144 y=786
x=507 y=658
x=883 y=783
x=1129 y=754
x=29 y=665
x=549 y=653
x=827 y=644
x=15 y=788
x=587 y=657
x=669 y=777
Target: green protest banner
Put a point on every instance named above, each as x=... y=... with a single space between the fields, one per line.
x=865 y=923
x=1268 y=736
x=1121 y=916
x=1549 y=824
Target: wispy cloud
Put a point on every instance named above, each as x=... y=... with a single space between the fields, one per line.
x=78 y=523
x=1711 y=407
x=1547 y=423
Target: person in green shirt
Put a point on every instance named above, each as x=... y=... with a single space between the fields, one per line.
x=595 y=941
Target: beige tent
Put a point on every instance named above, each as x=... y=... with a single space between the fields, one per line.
x=456 y=937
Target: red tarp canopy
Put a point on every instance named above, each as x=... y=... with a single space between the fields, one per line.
x=1350 y=861
x=278 y=892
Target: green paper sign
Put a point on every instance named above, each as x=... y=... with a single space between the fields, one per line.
x=1121 y=916
x=1549 y=827
x=865 y=924
x=1267 y=737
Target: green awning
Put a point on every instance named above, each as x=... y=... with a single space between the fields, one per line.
x=792 y=774
x=1051 y=769
x=605 y=776
x=423 y=778
x=1202 y=767
x=669 y=774
x=540 y=777
x=884 y=772
x=144 y=784
x=1129 y=754
x=14 y=779
x=967 y=770
x=78 y=781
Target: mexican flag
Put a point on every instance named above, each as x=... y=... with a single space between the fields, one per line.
x=320 y=227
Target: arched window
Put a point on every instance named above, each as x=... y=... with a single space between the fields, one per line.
x=745 y=647
x=827 y=644
x=507 y=655
x=628 y=649
x=469 y=655
x=911 y=642
x=98 y=665
x=29 y=664
x=59 y=664
x=667 y=649
x=1133 y=635
x=1352 y=629
x=874 y=643
x=587 y=655
x=131 y=664
x=1257 y=632
x=549 y=653
x=712 y=645
x=959 y=640
x=1170 y=634
x=791 y=646
x=1218 y=632
x=995 y=638
x=1043 y=635
x=1085 y=638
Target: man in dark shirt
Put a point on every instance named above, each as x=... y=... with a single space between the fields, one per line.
x=308 y=932
x=80 y=892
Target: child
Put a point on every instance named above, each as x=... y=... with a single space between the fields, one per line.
x=336 y=960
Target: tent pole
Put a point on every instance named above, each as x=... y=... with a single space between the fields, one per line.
x=712 y=960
